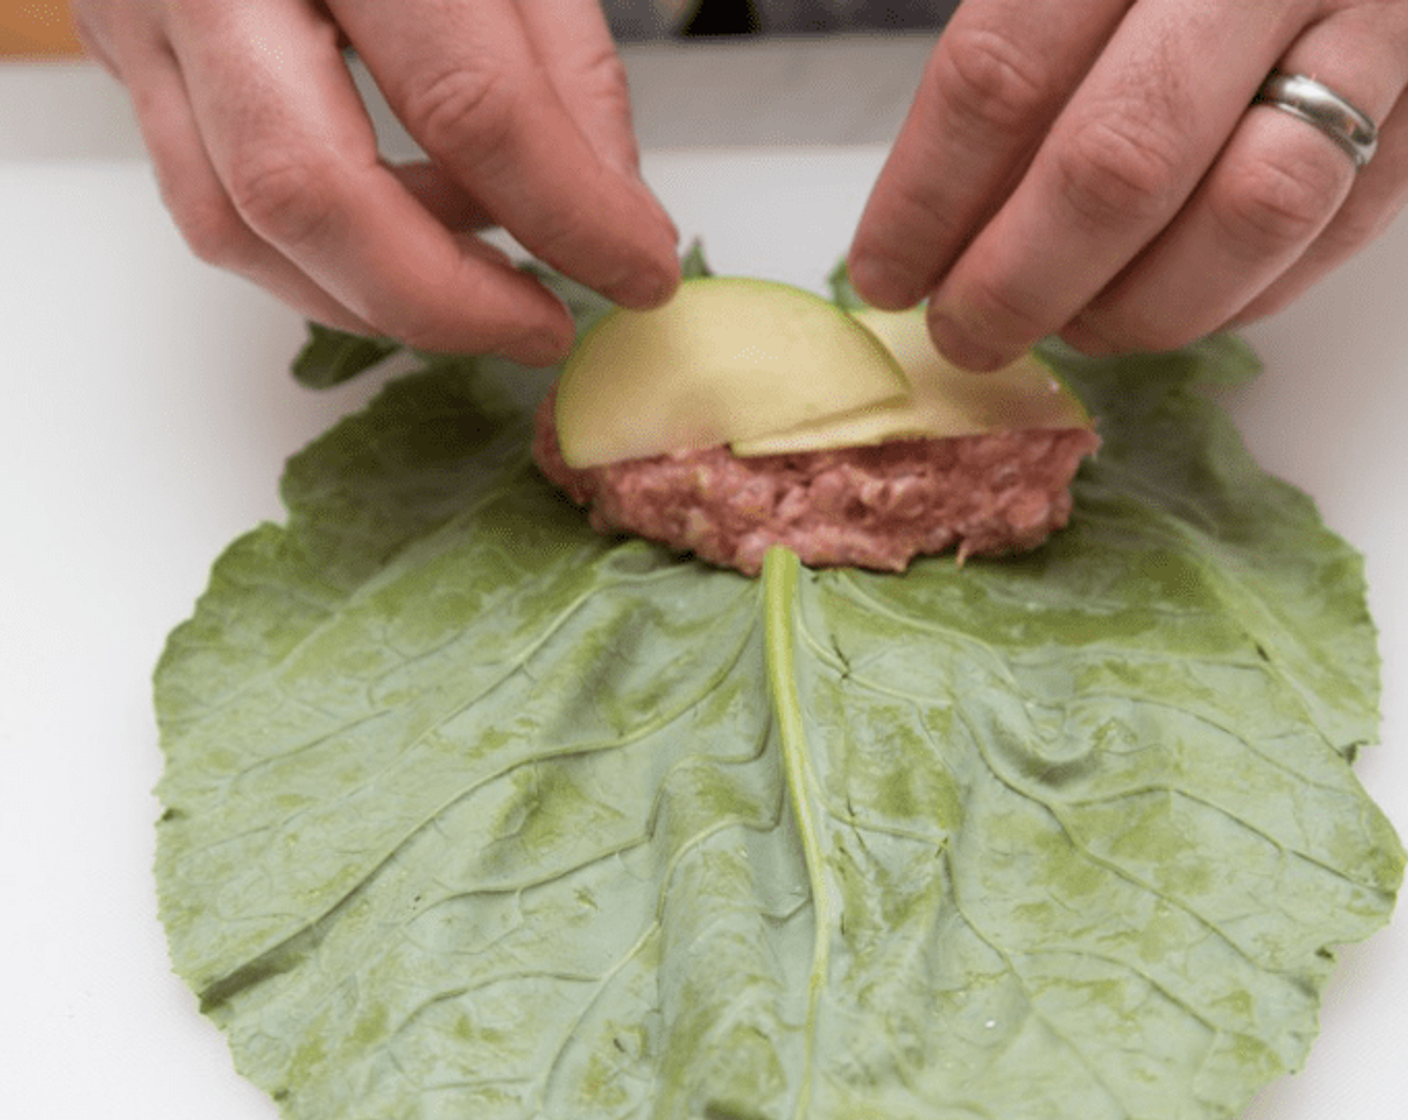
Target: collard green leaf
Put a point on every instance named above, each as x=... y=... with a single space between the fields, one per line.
x=694 y=263
x=471 y=812
x=843 y=292
x=330 y=356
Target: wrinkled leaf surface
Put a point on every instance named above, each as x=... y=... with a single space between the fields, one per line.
x=472 y=813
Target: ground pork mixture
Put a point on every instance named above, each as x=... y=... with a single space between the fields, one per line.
x=872 y=507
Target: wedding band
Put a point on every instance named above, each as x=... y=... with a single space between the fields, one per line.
x=1322 y=107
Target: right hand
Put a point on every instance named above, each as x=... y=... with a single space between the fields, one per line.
x=266 y=158
x=1099 y=170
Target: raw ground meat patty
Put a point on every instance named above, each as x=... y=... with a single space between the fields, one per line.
x=873 y=507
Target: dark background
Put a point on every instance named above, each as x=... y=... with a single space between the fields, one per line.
x=637 y=19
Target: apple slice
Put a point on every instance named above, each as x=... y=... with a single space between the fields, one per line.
x=728 y=358
x=945 y=400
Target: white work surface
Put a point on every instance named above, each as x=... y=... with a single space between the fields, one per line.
x=147 y=413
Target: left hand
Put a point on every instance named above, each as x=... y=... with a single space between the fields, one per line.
x=266 y=157
x=1098 y=170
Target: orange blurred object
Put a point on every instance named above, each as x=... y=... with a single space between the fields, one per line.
x=37 y=29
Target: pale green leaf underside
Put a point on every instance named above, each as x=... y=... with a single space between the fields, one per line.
x=471 y=813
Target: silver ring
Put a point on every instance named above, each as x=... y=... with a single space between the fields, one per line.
x=1315 y=103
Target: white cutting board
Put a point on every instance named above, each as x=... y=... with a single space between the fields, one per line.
x=147 y=412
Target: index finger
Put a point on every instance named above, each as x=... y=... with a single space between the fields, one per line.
x=465 y=78
x=1120 y=162
x=1000 y=73
x=290 y=141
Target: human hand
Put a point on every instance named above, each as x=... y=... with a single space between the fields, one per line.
x=266 y=158
x=1094 y=170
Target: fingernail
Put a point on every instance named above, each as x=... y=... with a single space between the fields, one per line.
x=643 y=288
x=877 y=284
x=962 y=349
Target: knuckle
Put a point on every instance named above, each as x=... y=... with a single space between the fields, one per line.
x=1271 y=205
x=205 y=218
x=1115 y=171
x=468 y=110
x=606 y=87
x=212 y=229
x=281 y=196
x=997 y=307
x=606 y=77
x=992 y=80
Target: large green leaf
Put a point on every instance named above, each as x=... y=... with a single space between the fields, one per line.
x=472 y=813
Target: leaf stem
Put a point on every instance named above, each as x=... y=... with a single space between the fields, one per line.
x=781 y=574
